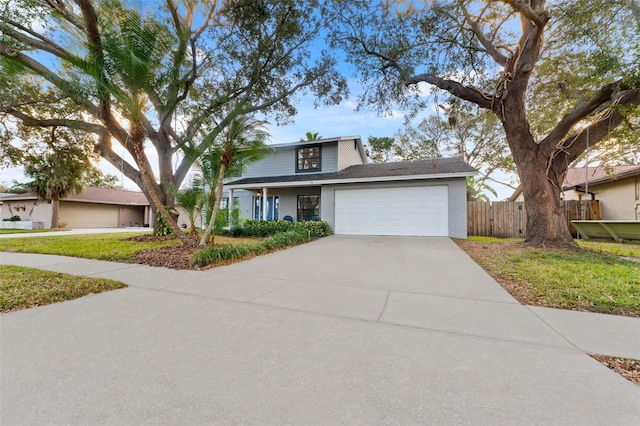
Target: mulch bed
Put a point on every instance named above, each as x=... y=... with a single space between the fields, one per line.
x=627 y=368
x=175 y=257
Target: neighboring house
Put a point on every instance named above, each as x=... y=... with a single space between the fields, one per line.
x=617 y=190
x=330 y=180
x=93 y=208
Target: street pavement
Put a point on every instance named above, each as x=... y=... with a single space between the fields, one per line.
x=343 y=330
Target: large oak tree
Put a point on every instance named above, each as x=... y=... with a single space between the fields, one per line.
x=164 y=76
x=558 y=75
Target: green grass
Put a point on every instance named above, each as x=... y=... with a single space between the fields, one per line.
x=22 y=288
x=26 y=231
x=491 y=240
x=580 y=280
x=586 y=279
x=95 y=246
x=631 y=249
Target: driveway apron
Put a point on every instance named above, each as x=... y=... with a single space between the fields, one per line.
x=343 y=330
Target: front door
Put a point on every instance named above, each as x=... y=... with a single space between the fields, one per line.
x=272 y=207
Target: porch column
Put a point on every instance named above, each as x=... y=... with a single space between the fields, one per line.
x=265 y=207
x=230 y=208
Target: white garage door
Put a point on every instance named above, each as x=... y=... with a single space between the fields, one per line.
x=421 y=210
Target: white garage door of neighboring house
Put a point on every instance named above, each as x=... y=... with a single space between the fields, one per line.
x=87 y=215
x=420 y=211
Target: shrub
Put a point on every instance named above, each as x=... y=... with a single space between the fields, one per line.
x=14 y=218
x=262 y=228
x=316 y=228
x=230 y=253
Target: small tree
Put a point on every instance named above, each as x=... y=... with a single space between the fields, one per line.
x=191 y=200
x=241 y=143
x=56 y=174
x=380 y=149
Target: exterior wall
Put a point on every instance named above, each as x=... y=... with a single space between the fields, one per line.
x=131 y=216
x=37 y=211
x=457 y=201
x=348 y=154
x=282 y=162
x=570 y=195
x=619 y=199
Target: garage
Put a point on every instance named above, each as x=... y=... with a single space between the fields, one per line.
x=87 y=215
x=416 y=211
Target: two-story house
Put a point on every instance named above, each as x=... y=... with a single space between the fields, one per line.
x=331 y=180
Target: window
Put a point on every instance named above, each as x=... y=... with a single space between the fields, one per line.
x=309 y=159
x=308 y=207
x=224 y=203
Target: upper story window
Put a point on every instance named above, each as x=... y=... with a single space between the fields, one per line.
x=309 y=158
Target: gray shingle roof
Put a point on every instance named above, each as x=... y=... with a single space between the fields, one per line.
x=437 y=166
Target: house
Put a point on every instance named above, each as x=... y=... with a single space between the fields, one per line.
x=331 y=180
x=93 y=208
x=617 y=190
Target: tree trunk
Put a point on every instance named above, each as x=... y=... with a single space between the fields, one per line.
x=216 y=206
x=137 y=139
x=55 y=210
x=546 y=224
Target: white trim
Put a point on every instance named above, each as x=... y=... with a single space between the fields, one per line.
x=352 y=180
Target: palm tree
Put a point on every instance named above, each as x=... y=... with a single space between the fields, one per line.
x=242 y=142
x=191 y=200
x=57 y=174
x=476 y=188
x=311 y=136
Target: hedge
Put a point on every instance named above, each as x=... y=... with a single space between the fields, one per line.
x=266 y=228
x=229 y=253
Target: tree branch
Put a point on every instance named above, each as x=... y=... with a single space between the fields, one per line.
x=59 y=7
x=50 y=76
x=468 y=93
x=540 y=17
x=484 y=41
x=36 y=40
x=27 y=120
x=575 y=145
x=568 y=121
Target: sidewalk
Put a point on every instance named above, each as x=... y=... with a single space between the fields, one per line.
x=589 y=332
x=276 y=340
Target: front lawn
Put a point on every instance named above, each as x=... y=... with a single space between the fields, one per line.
x=252 y=239
x=592 y=277
x=120 y=246
x=22 y=288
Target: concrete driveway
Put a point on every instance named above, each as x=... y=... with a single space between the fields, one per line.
x=344 y=330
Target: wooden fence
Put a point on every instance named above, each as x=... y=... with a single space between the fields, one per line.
x=508 y=219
